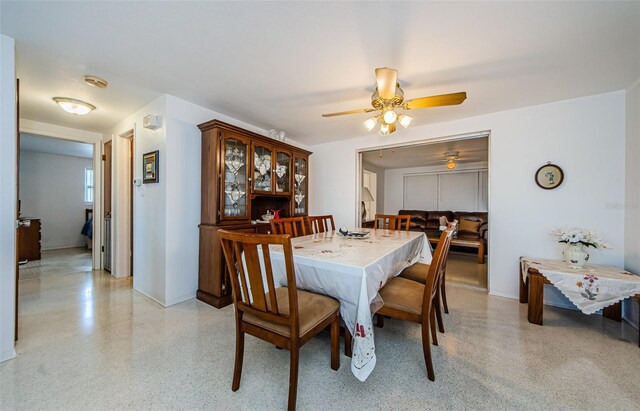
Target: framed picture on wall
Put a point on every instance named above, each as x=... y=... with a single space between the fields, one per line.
x=549 y=176
x=150 y=167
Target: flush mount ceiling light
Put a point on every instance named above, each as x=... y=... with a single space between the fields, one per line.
x=389 y=97
x=73 y=106
x=450 y=157
x=95 y=81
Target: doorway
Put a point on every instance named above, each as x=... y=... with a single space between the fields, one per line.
x=131 y=188
x=122 y=219
x=107 y=160
x=435 y=179
x=56 y=198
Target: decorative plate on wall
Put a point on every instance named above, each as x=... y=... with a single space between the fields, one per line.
x=549 y=176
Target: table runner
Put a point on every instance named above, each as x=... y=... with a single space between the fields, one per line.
x=353 y=271
x=591 y=288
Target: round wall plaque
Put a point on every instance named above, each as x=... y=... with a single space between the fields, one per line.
x=549 y=176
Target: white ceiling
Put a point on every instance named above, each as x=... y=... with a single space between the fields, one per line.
x=475 y=150
x=40 y=144
x=281 y=65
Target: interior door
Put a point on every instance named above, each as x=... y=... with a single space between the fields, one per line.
x=17 y=201
x=131 y=189
x=106 y=204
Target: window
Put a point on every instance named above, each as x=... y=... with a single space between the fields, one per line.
x=88 y=185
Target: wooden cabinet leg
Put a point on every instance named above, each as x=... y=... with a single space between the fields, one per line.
x=524 y=289
x=613 y=312
x=481 y=253
x=536 y=299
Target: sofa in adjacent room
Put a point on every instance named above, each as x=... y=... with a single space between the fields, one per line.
x=472 y=227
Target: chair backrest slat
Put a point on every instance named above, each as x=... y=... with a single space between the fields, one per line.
x=252 y=261
x=392 y=221
x=237 y=266
x=294 y=226
x=272 y=288
x=320 y=223
x=252 y=283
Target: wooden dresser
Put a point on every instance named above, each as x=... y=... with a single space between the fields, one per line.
x=29 y=240
x=244 y=174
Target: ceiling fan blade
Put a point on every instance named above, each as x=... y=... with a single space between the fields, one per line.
x=435 y=101
x=342 y=113
x=386 y=78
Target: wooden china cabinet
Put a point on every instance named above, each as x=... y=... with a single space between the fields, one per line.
x=244 y=174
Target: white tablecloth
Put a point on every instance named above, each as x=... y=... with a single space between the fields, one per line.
x=353 y=271
x=591 y=288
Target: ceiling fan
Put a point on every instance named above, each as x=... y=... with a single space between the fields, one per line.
x=389 y=97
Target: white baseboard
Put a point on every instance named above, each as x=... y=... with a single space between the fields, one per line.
x=169 y=303
x=8 y=355
x=180 y=299
x=150 y=297
x=505 y=295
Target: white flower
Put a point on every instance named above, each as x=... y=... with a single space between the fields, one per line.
x=588 y=238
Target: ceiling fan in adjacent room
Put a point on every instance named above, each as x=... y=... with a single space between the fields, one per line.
x=389 y=97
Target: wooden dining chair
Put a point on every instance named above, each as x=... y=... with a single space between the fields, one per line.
x=320 y=224
x=294 y=226
x=284 y=316
x=419 y=272
x=392 y=221
x=408 y=300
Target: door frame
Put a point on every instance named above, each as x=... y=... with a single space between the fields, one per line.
x=465 y=136
x=123 y=202
x=81 y=136
x=8 y=196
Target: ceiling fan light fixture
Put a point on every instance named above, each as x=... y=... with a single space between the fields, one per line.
x=370 y=123
x=405 y=120
x=451 y=164
x=73 y=106
x=389 y=116
x=384 y=130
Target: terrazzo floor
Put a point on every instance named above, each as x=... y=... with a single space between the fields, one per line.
x=463 y=270
x=89 y=342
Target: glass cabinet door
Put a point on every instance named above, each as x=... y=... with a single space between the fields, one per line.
x=283 y=172
x=262 y=169
x=234 y=202
x=300 y=185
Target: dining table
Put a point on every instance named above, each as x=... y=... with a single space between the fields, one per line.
x=353 y=270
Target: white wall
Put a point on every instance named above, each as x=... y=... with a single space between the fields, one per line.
x=394 y=191
x=148 y=205
x=584 y=136
x=166 y=214
x=8 y=179
x=52 y=189
x=632 y=193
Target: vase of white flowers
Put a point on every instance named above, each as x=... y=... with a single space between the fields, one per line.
x=577 y=240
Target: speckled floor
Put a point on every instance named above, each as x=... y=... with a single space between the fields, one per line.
x=88 y=341
x=463 y=270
